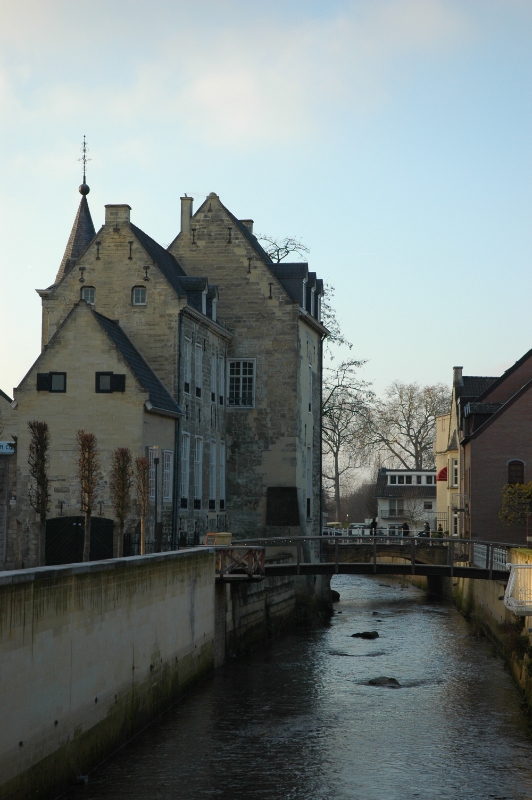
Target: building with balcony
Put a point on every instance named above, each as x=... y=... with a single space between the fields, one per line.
x=405 y=495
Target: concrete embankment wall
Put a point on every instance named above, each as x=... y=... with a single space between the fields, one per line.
x=90 y=653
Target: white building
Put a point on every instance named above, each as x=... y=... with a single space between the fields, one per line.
x=405 y=495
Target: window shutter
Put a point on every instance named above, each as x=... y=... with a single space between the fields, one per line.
x=43 y=381
x=118 y=383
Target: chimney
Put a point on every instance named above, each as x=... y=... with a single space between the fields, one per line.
x=248 y=223
x=186 y=213
x=457 y=376
x=115 y=215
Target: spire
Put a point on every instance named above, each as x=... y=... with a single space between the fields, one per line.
x=82 y=231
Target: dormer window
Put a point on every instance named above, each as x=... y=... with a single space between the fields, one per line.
x=213 y=312
x=138 y=296
x=88 y=293
x=204 y=302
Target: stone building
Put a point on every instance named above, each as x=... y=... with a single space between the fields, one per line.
x=236 y=443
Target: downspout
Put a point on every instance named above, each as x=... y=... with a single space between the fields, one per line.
x=177 y=428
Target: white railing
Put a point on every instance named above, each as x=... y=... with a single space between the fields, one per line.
x=480 y=554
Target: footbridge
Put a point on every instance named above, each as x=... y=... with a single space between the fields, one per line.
x=256 y=559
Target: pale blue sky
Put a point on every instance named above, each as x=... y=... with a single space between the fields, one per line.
x=392 y=136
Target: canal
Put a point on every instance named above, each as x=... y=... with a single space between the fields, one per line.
x=299 y=720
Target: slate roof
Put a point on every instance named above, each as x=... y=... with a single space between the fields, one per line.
x=291 y=277
x=384 y=489
x=244 y=230
x=481 y=408
x=453 y=444
x=474 y=385
x=159 y=397
x=81 y=235
x=5 y=396
x=169 y=266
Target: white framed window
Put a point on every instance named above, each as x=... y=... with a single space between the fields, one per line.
x=198 y=471
x=168 y=470
x=212 y=476
x=88 y=293
x=213 y=378
x=187 y=372
x=153 y=453
x=241 y=384
x=221 y=379
x=455 y=472
x=428 y=479
x=309 y=482
x=198 y=368
x=138 y=295
x=310 y=388
x=185 y=468
x=221 y=480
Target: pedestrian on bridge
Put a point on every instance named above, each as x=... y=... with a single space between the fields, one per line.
x=373 y=527
x=405 y=527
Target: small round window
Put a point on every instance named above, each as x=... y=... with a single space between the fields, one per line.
x=139 y=296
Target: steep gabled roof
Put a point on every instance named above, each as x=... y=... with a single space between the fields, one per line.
x=81 y=235
x=5 y=396
x=169 y=266
x=291 y=277
x=501 y=410
x=253 y=241
x=475 y=385
x=506 y=374
x=159 y=397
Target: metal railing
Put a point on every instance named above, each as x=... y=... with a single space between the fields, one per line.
x=239 y=563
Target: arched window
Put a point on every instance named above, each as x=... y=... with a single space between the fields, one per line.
x=88 y=293
x=516 y=472
x=138 y=295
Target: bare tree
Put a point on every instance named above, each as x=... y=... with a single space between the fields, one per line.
x=121 y=482
x=344 y=401
x=142 y=486
x=330 y=320
x=39 y=490
x=400 y=430
x=279 y=249
x=88 y=475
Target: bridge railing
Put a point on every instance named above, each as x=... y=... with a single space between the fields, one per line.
x=239 y=563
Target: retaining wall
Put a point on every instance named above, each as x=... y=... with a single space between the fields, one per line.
x=89 y=653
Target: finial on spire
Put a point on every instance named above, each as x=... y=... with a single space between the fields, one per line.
x=84 y=189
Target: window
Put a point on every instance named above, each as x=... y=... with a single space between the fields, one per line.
x=393 y=479
x=185 y=468
x=168 y=464
x=153 y=453
x=400 y=479
x=51 y=382
x=309 y=482
x=108 y=382
x=516 y=472
x=455 y=472
x=408 y=479
x=242 y=383
x=188 y=355
x=221 y=379
x=88 y=293
x=395 y=507
x=212 y=477
x=198 y=368
x=418 y=479
x=427 y=506
x=213 y=378
x=198 y=466
x=310 y=388
x=138 y=296
x=222 y=476
x=428 y=479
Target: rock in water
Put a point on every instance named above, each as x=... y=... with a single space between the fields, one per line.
x=384 y=681
x=335 y=596
x=366 y=635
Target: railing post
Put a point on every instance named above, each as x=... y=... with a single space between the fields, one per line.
x=336 y=555
x=298 y=551
x=413 y=555
x=374 y=554
x=490 y=565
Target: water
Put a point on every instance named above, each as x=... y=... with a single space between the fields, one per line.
x=297 y=720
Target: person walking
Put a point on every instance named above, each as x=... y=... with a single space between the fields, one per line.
x=405 y=527
x=426 y=530
x=373 y=527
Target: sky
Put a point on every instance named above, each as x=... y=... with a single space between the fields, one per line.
x=392 y=137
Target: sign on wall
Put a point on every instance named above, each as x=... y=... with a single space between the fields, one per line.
x=7 y=448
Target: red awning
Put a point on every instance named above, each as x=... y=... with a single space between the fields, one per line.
x=442 y=474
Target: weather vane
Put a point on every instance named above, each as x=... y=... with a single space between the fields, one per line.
x=84 y=189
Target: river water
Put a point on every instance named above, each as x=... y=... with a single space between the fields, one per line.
x=298 y=720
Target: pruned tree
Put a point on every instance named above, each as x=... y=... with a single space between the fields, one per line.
x=400 y=430
x=39 y=489
x=279 y=249
x=142 y=487
x=344 y=401
x=120 y=484
x=516 y=503
x=89 y=476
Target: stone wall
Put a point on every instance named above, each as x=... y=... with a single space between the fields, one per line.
x=90 y=653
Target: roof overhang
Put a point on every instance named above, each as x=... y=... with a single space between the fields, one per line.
x=162 y=412
x=215 y=327
x=313 y=322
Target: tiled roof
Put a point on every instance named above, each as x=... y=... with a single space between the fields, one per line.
x=481 y=408
x=81 y=235
x=159 y=397
x=474 y=385
x=384 y=489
